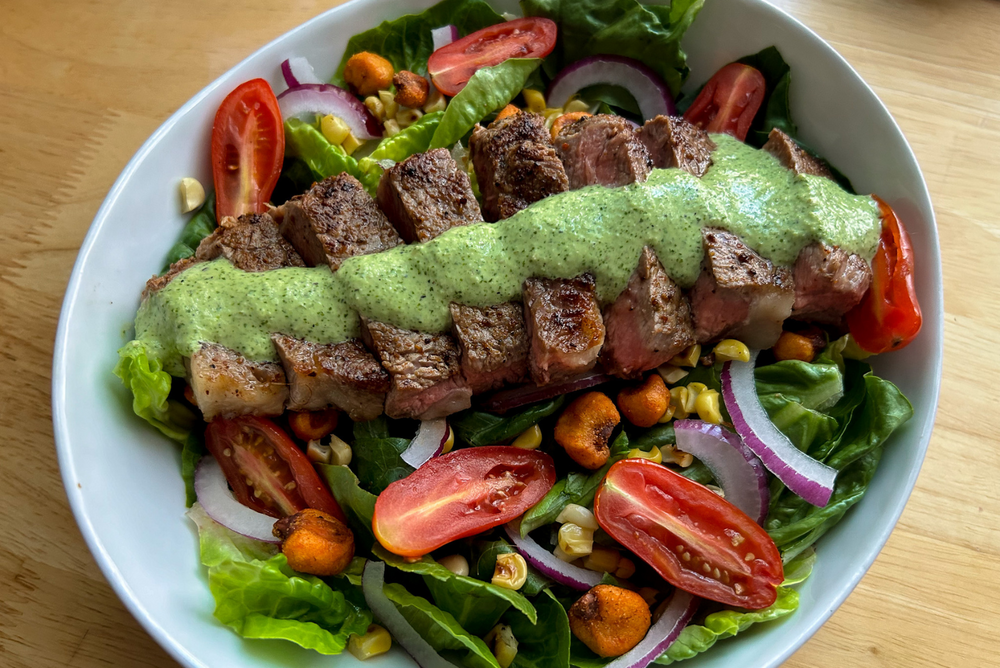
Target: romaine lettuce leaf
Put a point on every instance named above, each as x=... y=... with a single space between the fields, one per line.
x=481 y=428
x=545 y=644
x=305 y=142
x=357 y=504
x=414 y=139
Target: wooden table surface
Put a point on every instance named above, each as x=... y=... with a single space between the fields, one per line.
x=76 y=101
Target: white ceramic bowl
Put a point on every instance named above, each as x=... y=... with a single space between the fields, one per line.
x=123 y=478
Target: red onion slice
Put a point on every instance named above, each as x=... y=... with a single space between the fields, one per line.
x=805 y=476
x=549 y=564
x=307 y=100
x=298 y=71
x=662 y=634
x=650 y=93
x=219 y=503
x=444 y=35
x=739 y=473
x=429 y=442
x=372 y=582
x=505 y=400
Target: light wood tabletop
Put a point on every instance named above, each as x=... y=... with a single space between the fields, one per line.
x=82 y=84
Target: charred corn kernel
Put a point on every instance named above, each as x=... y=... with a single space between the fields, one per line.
x=576 y=541
x=340 y=451
x=351 y=144
x=653 y=455
x=334 y=129
x=390 y=128
x=319 y=453
x=375 y=106
x=449 y=442
x=707 y=405
x=192 y=194
x=678 y=399
x=691 y=400
x=603 y=560
x=578 y=515
x=389 y=104
x=455 y=563
x=375 y=641
x=626 y=569
x=671 y=374
x=671 y=455
x=435 y=101
x=534 y=99
x=668 y=415
x=511 y=571
x=529 y=439
x=503 y=644
x=731 y=350
x=689 y=357
x=576 y=105
x=558 y=553
x=406 y=117
x=648 y=595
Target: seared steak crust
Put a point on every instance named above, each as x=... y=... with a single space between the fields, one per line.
x=829 y=282
x=793 y=156
x=602 y=150
x=251 y=242
x=493 y=343
x=673 y=142
x=564 y=327
x=226 y=384
x=427 y=194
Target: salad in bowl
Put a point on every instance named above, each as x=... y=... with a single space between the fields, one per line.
x=496 y=346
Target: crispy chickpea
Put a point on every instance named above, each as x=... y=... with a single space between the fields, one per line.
x=610 y=620
x=315 y=542
x=643 y=405
x=368 y=73
x=509 y=110
x=566 y=119
x=584 y=428
x=791 y=346
x=411 y=89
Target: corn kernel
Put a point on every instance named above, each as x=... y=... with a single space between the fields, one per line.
x=576 y=541
x=390 y=128
x=351 y=144
x=689 y=357
x=648 y=595
x=671 y=455
x=731 y=350
x=626 y=569
x=576 y=105
x=511 y=571
x=334 y=129
x=455 y=563
x=389 y=104
x=406 y=117
x=534 y=99
x=678 y=399
x=671 y=374
x=375 y=641
x=653 y=455
x=707 y=405
x=718 y=490
x=435 y=101
x=503 y=644
x=449 y=442
x=529 y=439
x=576 y=514
x=558 y=553
x=319 y=453
x=691 y=399
x=668 y=414
x=340 y=451
x=376 y=107
x=192 y=194
x=603 y=560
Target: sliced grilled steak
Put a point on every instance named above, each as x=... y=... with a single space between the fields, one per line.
x=426 y=377
x=251 y=242
x=515 y=164
x=829 y=282
x=493 y=343
x=739 y=294
x=226 y=384
x=427 y=194
x=793 y=156
x=602 y=150
x=673 y=142
x=565 y=330
x=157 y=283
x=344 y=375
x=334 y=220
x=649 y=323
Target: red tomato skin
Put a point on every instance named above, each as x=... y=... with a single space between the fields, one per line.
x=248 y=116
x=624 y=499
x=889 y=315
x=453 y=65
x=309 y=491
x=411 y=521
x=729 y=101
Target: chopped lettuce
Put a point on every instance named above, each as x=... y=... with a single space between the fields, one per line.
x=544 y=644
x=377 y=455
x=409 y=141
x=305 y=142
x=481 y=428
x=357 y=504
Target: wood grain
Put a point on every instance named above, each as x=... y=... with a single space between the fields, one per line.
x=83 y=83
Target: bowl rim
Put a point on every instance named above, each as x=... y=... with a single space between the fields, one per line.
x=59 y=369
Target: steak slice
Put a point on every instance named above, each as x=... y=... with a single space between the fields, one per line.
x=251 y=242
x=427 y=194
x=426 y=377
x=649 y=323
x=829 y=282
x=344 y=375
x=793 y=156
x=493 y=343
x=334 y=220
x=564 y=327
x=602 y=150
x=673 y=142
x=515 y=164
x=226 y=384
x=739 y=294
x=157 y=283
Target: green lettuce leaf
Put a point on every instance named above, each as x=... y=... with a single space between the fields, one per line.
x=377 y=455
x=201 y=224
x=545 y=644
x=357 y=504
x=814 y=385
x=481 y=428
x=489 y=89
x=776 y=111
x=414 y=139
x=305 y=142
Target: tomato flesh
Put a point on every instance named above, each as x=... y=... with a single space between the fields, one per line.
x=248 y=148
x=459 y=494
x=889 y=316
x=311 y=426
x=691 y=536
x=453 y=65
x=729 y=101
x=265 y=469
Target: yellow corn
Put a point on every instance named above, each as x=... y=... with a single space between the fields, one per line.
x=707 y=405
x=626 y=569
x=534 y=99
x=603 y=560
x=648 y=595
x=689 y=357
x=671 y=455
x=375 y=106
x=351 y=144
x=653 y=455
x=435 y=101
x=390 y=128
x=671 y=374
x=691 y=399
x=678 y=399
x=731 y=350
x=340 y=451
x=576 y=514
x=375 y=641
x=455 y=563
x=317 y=452
x=511 y=571
x=529 y=439
x=449 y=442
x=334 y=129
x=406 y=117
x=576 y=105
x=389 y=104
x=576 y=541
x=192 y=194
x=668 y=414
x=503 y=644
x=558 y=552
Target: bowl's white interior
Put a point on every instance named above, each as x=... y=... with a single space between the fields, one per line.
x=122 y=477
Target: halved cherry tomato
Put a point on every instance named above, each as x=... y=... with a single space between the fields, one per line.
x=265 y=469
x=310 y=426
x=248 y=147
x=729 y=101
x=888 y=316
x=691 y=536
x=453 y=65
x=459 y=494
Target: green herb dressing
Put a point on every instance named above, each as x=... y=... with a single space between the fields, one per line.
x=595 y=229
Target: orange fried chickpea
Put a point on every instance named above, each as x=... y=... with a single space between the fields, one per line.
x=509 y=110
x=610 y=620
x=566 y=119
x=791 y=346
x=368 y=73
x=411 y=89
x=584 y=428
x=643 y=405
x=314 y=542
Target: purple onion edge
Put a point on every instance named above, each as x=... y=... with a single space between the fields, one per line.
x=371 y=124
x=638 y=65
x=286 y=72
x=549 y=571
x=201 y=464
x=506 y=400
